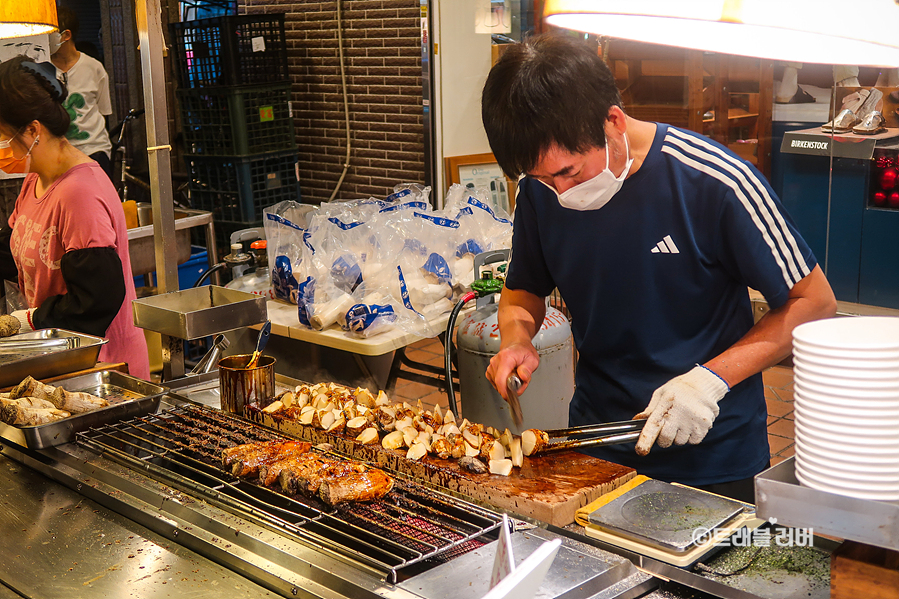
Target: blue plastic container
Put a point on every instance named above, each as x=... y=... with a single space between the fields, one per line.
x=188 y=273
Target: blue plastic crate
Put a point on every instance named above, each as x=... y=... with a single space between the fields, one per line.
x=188 y=273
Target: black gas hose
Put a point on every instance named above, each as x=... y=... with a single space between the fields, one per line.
x=448 y=347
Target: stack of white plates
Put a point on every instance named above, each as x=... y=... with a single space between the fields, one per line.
x=846 y=391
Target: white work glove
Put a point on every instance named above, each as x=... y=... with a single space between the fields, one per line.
x=682 y=410
x=25 y=321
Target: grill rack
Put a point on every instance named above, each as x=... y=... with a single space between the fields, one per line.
x=411 y=526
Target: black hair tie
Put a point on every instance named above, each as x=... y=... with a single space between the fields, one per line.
x=46 y=75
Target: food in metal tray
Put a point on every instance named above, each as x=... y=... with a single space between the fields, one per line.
x=29 y=411
x=31 y=387
x=76 y=401
x=32 y=403
x=299 y=470
x=369 y=419
x=9 y=325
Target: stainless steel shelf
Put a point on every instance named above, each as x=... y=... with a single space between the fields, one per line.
x=779 y=495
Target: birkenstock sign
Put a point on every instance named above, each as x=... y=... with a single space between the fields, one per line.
x=813 y=142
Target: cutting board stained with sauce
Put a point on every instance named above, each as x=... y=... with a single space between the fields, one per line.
x=550 y=488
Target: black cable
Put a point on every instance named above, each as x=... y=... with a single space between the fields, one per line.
x=208 y=272
x=447 y=349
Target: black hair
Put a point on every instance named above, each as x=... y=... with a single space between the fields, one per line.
x=67 y=19
x=548 y=89
x=29 y=93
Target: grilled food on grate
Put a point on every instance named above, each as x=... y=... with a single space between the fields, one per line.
x=248 y=462
x=367 y=419
x=299 y=470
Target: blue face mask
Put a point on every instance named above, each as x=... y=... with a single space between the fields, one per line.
x=595 y=193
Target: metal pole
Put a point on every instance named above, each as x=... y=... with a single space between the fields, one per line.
x=152 y=48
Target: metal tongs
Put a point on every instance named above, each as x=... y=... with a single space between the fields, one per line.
x=610 y=433
x=13 y=345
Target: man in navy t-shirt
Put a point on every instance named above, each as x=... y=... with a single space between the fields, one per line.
x=653 y=235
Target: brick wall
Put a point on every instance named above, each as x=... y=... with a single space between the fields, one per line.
x=382 y=60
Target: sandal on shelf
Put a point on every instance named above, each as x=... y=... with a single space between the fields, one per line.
x=872 y=102
x=843 y=123
x=872 y=124
x=800 y=97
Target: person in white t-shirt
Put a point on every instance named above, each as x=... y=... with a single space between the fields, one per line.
x=88 y=103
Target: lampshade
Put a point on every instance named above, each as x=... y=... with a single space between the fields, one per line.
x=19 y=18
x=856 y=32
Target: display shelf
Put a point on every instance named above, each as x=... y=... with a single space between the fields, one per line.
x=779 y=495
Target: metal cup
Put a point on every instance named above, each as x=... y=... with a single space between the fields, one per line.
x=241 y=386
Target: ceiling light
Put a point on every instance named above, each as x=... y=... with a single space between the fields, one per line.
x=857 y=32
x=19 y=18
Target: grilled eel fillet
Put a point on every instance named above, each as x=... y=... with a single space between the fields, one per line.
x=248 y=463
x=298 y=470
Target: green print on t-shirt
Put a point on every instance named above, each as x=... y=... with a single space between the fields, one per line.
x=72 y=103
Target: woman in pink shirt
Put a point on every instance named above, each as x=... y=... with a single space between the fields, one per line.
x=66 y=241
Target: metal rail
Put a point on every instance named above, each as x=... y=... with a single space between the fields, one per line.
x=181 y=447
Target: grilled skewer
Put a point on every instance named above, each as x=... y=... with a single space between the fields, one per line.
x=610 y=433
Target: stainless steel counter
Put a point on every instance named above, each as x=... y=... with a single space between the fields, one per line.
x=57 y=543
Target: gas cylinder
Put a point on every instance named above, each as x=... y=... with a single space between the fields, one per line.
x=256 y=280
x=544 y=404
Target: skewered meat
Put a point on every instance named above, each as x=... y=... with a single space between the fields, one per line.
x=15 y=413
x=76 y=402
x=366 y=485
x=31 y=387
x=309 y=470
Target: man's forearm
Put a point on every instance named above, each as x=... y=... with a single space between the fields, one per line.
x=520 y=316
x=770 y=340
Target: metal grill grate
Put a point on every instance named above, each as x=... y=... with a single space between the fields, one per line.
x=411 y=525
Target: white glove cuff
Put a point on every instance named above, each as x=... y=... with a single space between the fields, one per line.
x=707 y=382
x=25 y=321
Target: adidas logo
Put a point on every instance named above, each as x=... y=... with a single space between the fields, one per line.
x=666 y=246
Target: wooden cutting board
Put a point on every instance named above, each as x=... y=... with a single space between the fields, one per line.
x=549 y=488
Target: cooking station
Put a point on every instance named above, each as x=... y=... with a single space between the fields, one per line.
x=162 y=472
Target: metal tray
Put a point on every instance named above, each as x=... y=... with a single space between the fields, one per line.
x=129 y=397
x=17 y=366
x=665 y=515
x=198 y=312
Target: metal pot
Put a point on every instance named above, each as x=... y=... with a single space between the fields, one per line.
x=241 y=386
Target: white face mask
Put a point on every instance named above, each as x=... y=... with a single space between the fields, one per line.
x=55 y=42
x=595 y=193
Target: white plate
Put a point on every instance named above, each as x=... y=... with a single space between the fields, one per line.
x=848 y=467
x=848 y=408
x=847 y=490
x=804 y=348
x=878 y=379
x=860 y=445
x=849 y=480
x=848 y=363
x=887 y=434
x=852 y=332
x=863 y=460
x=848 y=390
x=842 y=445
x=859 y=419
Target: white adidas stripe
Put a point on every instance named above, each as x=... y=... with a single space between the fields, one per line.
x=670 y=244
x=764 y=197
x=760 y=202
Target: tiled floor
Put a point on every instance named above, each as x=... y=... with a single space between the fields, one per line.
x=778 y=395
